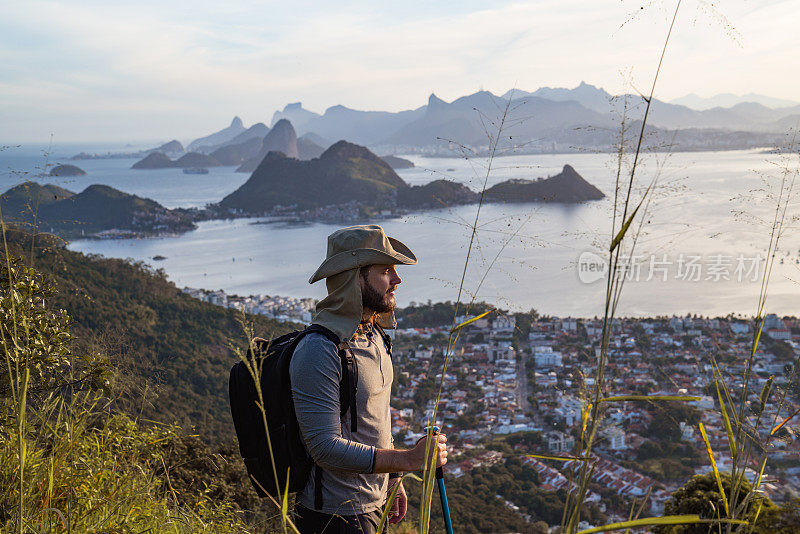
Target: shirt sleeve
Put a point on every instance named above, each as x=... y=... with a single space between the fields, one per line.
x=315 y=372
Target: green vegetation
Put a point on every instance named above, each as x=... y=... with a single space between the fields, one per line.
x=167 y=344
x=71 y=459
x=700 y=495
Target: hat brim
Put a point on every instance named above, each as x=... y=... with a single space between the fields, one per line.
x=351 y=259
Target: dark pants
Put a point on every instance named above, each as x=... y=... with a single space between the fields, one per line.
x=313 y=522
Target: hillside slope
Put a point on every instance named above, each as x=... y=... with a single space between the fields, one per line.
x=156 y=334
x=98 y=208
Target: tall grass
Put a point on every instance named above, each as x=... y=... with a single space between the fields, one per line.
x=70 y=461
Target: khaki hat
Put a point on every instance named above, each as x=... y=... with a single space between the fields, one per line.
x=357 y=246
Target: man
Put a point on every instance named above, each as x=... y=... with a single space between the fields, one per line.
x=348 y=485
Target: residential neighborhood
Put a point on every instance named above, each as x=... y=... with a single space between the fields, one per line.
x=513 y=378
x=503 y=378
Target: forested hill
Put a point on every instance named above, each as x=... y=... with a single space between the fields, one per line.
x=172 y=348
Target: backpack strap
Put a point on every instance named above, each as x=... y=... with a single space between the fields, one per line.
x=387 y=341
x=350 y=378
x=348 y=388
x=317 y=487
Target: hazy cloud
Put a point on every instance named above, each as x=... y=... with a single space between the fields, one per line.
x=145 y=69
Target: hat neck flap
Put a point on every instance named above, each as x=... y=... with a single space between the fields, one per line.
x=341 y=310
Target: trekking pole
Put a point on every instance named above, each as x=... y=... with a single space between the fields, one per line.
x=448 y=524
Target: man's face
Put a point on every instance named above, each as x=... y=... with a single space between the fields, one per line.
x=377 y=288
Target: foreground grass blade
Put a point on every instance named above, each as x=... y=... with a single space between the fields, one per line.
x=765 y=394
x=624 y=229
x=783 y=423
x=585 y=419
x=714 y=467
x=470 y=321
x=755 y=517
x=562 y=458
x=392 y=497
x=726 y=419
x=285 y=502
x=659 y=398
x=666 y=520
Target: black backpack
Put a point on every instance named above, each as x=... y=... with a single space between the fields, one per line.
x=288 y=449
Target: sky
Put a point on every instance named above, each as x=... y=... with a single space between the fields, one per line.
x=123 y=71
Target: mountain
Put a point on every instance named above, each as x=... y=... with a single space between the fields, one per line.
x=727 y=100
x=195 y=159
x=568 y=186
x=67 y=170
x=257 y=131
x=96 y=209
x=236 y=127
x=316 y=139
x=398 y=163
x=296 y=114
x=472 y=119
x=236 y=154
x=281 y=138
x=173 y=147
x=22 y=201
x=589 y=96
x=343 y=173
x=350 y=174
x=308 y=149
x=362 y=127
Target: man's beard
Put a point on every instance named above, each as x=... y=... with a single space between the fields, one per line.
x=371 y=298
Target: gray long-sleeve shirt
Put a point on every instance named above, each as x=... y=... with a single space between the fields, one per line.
x=347 y=458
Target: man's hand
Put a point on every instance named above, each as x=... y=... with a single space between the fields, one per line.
x=400 y=504
x=392 y=460
x=417 y=454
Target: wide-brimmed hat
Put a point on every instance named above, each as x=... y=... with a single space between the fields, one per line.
x=357 y=246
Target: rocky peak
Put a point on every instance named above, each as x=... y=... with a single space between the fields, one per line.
x=282 y=138
x=345 y=150
x=435 y=103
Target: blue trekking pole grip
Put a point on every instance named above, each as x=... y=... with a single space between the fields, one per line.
x=448 y=524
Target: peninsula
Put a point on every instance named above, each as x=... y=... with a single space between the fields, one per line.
x=97 y=211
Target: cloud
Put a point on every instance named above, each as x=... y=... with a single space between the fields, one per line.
x=130 y=69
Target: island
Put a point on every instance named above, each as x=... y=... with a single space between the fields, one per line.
x=159 y=160
x=567 y=187
x=348 y=182
x=67 y=170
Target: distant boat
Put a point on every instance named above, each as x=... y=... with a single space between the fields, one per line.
x=195 y=170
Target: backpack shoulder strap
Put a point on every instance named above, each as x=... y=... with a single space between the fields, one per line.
x=348 y=387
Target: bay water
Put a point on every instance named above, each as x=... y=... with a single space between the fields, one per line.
x=703 y=239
